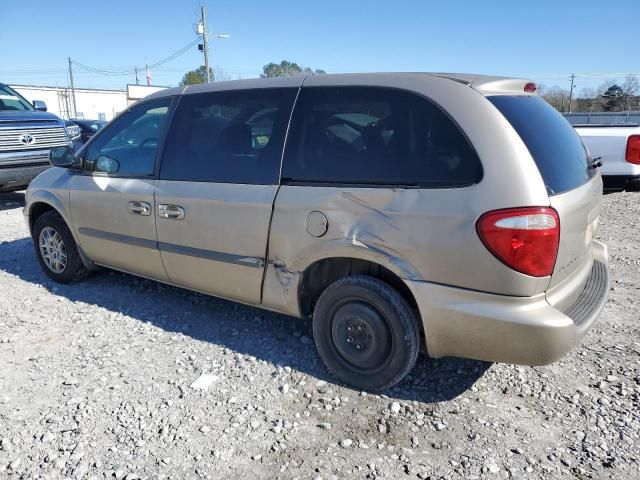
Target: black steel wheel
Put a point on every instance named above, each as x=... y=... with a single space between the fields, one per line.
x=366 y=333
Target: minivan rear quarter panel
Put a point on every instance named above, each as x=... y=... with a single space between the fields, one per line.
x=401 y=228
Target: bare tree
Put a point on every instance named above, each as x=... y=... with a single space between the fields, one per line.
x=612 y=95
x=587 y=100
x=630 y=88
x=557 y=97
x=588 y=93
x=542 y=89
x=220 y=74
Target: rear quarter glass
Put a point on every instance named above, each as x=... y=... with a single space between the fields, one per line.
x=556 y=148
x=355 y=135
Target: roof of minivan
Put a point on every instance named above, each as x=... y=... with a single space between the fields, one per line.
x=485 y=84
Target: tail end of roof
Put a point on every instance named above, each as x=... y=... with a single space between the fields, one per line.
x=491 y=85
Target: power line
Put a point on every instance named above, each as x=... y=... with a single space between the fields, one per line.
x=103 y=71
x=174 y=55
x=36 y=71
x=600 y=74
x=128 y=70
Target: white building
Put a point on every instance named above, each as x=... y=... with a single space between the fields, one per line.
x=91 y=103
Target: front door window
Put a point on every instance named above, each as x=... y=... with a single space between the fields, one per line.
x=128 y=146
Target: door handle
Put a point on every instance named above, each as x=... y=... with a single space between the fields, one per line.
x=172 y=212
x=140 y=208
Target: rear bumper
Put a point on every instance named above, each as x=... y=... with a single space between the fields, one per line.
x=619 y=183
x=498 y=328
x=18 y=169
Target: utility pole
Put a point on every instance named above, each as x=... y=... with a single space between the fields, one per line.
x=73 y=92
x=137 y=81
x=205 y=42
x=573 y=77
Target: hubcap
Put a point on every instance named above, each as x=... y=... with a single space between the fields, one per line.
x=53 y=250
x=361 y=335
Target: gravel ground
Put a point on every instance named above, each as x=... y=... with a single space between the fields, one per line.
x=97 y=381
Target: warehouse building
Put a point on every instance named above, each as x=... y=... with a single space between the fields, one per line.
x=90 y=103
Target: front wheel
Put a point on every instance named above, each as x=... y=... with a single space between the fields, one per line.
x=366 y=333
x=56 y=249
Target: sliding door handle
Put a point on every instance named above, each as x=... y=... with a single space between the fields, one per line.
x=140 y=208
x=172 y=212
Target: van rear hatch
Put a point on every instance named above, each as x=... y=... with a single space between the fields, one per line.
x=574 y=188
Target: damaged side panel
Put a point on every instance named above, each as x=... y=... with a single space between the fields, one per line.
x=280 y=290
x=399 y=229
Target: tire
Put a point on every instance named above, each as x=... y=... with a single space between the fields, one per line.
x=45 y=229
x=366 y=333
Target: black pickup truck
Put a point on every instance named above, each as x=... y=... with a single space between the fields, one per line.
x=27 y=133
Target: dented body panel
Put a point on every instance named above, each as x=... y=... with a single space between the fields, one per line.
x=400 y=229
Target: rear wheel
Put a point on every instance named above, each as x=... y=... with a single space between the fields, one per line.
x=56 y=249
x=366 y=333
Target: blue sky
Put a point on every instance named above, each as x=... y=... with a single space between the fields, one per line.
x=538 y=39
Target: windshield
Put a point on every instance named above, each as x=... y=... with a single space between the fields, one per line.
x=11 y=100
x=554 y=145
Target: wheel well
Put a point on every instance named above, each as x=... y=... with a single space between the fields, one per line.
x=319 y=275
x=38 y=209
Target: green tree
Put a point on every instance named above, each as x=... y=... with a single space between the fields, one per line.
x=287 y=69
x=198 y=75
x=613 y=98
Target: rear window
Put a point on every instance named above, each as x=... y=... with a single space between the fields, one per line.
x=554 y=145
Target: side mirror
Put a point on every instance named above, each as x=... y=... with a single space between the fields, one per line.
x=61 y=157
x=39 y=105
x=107 y=164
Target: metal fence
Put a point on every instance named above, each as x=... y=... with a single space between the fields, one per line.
x=603 y=118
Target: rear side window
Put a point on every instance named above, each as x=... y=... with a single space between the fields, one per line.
x=554 y=145
x=228 y=137
x=370 y=135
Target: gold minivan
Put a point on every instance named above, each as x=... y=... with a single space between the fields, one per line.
x=458 y=210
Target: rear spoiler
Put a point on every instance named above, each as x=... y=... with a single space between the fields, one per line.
x=492 y=85
x=505 y=86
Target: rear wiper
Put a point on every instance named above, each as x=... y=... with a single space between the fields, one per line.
x=596 y=162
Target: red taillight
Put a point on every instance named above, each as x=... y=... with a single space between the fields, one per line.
x=633 y=149
x=530 y=87
x=525 y=239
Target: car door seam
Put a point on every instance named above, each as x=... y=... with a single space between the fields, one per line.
x=275 y=195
